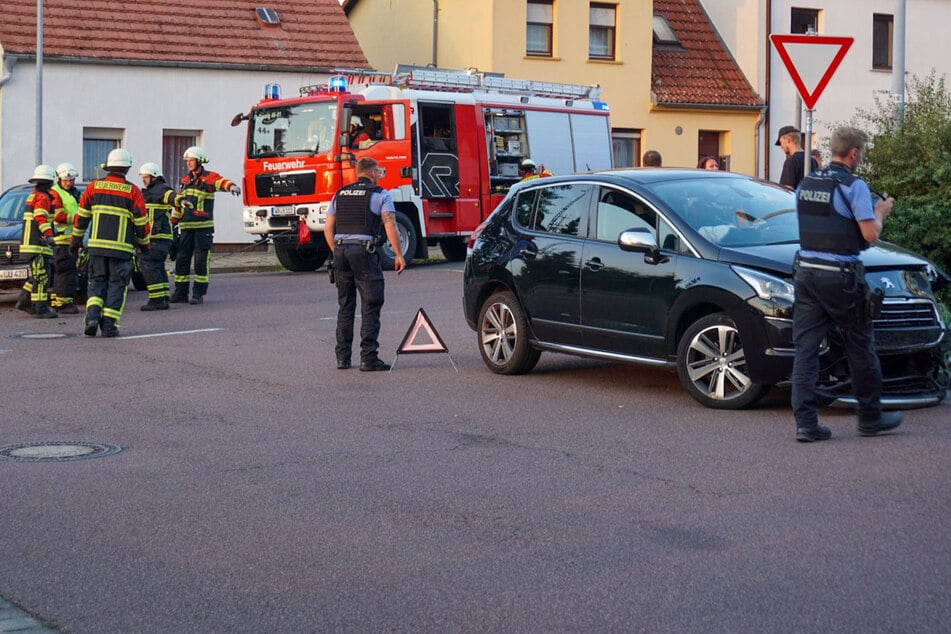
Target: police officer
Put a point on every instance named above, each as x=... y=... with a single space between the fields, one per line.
x=65 y=276
x=837 y=220
x=195 y=215
x=116 y=211
x=38 y=243
x=159 y=201
x=351 y=230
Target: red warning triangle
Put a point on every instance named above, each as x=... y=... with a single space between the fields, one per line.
x=422 y=337
x=811 y=61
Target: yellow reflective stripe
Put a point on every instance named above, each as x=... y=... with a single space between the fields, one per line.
x=196 y=224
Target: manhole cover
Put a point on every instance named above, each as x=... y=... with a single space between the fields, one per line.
x=57 y=451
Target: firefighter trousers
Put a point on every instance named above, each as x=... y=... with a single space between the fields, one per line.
x=38 y=278
x=152 y=265
x=108 y=282
x=193 y=243
x=65 y=276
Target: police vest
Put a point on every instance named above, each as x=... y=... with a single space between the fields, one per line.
x=158 y=201
x=352 y=206
x=821 y=227
x=64 y=218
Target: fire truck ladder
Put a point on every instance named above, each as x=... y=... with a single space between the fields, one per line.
x=470 y=81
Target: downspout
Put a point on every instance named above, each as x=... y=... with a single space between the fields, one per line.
x=7 y=69
x=766 y=88
x=435 y=31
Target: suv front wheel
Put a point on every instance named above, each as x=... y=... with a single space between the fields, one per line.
x=503 y=336
x=712 y=367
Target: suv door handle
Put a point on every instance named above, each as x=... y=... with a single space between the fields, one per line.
x=528 y=251
x=595 y=264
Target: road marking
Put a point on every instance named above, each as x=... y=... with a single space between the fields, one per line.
x=169 y=334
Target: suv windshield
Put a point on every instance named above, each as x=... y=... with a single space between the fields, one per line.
x=12 y=205
x=307 y=128
x=733 y=212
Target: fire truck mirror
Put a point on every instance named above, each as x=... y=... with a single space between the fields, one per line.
x=238 y=118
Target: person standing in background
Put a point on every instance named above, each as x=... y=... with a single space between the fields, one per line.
x=65 y=276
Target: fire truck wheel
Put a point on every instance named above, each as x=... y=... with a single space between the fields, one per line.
x=453 y=248
x=408 y=243
x=299 y=260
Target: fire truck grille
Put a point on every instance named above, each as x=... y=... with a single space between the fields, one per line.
x=285 y=184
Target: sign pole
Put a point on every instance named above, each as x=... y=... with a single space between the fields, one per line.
x=807 y=160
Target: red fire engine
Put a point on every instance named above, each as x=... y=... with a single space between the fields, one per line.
x=449 y=142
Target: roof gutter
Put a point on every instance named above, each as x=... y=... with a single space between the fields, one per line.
x=709 y=106
x=168 y=64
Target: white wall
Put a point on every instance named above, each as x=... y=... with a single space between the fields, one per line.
x=144 y=102
x=742 y=26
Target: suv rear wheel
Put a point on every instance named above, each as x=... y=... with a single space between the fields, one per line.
x=711 y=365
x=503 y=336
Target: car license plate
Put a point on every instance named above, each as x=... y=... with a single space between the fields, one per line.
x=13 y=274
x=283 y=210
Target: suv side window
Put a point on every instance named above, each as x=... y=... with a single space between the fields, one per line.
x=525 y=208
x=561 y=209
x=618 y=212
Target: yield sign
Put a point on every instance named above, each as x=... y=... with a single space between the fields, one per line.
x=811 y=61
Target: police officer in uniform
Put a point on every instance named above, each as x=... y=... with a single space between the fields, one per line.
x=837 y=220
x=351 y=230
x=159 y=201
x=115 y=209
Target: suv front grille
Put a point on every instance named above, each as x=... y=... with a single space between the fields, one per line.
x=10 y=254
x=905 y=324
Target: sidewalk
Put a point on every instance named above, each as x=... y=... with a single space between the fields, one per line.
x=244 y=261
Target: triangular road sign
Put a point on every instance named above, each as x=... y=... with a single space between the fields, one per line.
x=421 y=337
x=811 y=61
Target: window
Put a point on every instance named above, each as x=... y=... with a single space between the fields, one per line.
x=601 y=31
x=626 y=147
x=540 y=26
x=97 y=143
x=618 y=212
x=174 y=144
x=882 y=31
x=663 y=34
x=802 y=20
x=561 y=208
x=267 y=16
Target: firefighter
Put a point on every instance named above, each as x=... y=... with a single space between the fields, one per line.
x=65 y=276
x=38 y=243
x=115 y=209
x=529 y=170
x=194 y=215
x=159 y=201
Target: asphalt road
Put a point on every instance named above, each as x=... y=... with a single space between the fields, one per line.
x=259 y=489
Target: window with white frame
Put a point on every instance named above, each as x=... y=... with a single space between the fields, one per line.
x=540 y=28
x=882 y=34
x=601 y=30
x=97 y=143
x=174 y=144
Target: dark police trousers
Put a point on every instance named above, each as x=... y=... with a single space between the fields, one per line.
x=358 y=269
x=825 y=298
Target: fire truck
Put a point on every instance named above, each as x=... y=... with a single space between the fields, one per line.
x=449 y=142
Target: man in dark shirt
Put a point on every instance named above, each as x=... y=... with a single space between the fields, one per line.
x=793 y=168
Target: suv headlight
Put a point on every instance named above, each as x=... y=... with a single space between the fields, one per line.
x=767 y=286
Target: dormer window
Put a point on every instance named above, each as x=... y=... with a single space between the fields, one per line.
x=267 y=16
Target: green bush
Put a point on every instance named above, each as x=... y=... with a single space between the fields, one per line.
x=910 y=159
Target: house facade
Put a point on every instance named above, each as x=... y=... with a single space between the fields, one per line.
x=866 y=70
x=157 y=90
x=612 y=44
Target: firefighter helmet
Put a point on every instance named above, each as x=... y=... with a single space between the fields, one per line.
x=150 y=169
x=195 y=152
x=66 y=170
x=43 y=173
x=118 y=158
x=528 y=163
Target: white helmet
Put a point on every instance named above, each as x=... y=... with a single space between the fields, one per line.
x=66 y=170
x=527 y=162
x=150 y=169
x=195 y=152
x=43 y=173
x=118 y=158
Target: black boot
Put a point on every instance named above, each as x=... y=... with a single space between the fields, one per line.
x=109 y=327
x=156 y=304
x=68 y=309
x=196 y=299
x=42 y=311
x=24 y=303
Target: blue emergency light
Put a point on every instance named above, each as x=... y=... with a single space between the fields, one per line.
x=272 y=91
x=338 y=83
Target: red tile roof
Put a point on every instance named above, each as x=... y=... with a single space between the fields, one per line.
x=312 y=33
x=701 y=71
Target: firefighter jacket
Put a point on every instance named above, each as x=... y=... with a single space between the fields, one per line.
x=114 y=209
x=821 y=227
x=66 y=203
x=198 y=188
x=37 y=223
x=159 y=201
x=352 y=209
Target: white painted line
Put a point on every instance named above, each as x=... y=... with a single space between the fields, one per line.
x=169 y=334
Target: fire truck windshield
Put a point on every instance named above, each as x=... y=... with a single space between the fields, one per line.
x=306 y=128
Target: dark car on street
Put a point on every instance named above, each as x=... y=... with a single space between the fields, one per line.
x=685 y=269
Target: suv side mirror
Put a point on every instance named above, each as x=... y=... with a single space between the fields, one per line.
x=641 y=240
